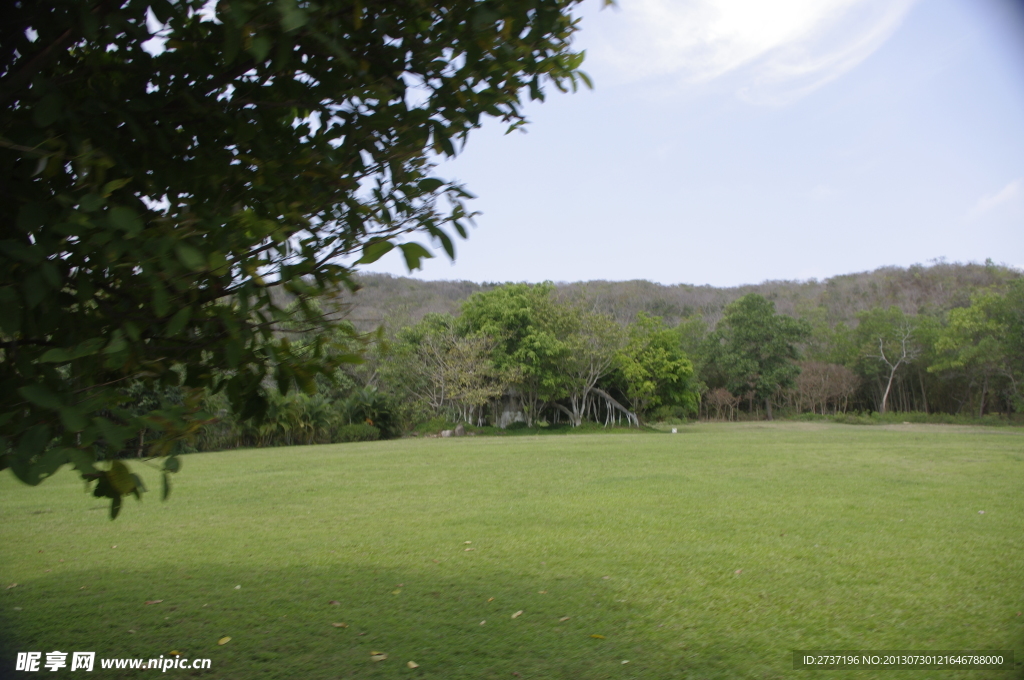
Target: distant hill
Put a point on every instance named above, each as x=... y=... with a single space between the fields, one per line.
x=398 y=301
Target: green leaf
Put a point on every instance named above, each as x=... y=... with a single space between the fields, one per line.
x=73 y=419
x=61 y=355
x=33 y=442
x=117 y=343
x=190 y=257
x=49 y=463
x=91 y=202
x=431 y=184
x=260 y=48
x=115 y=435
x=19 y=250
x=172 y=464
x=232 y=42
x=178 y=321
x=126 y=220
x=55 y=356
x=104 y=489
x=121 y=478
x=374 y=250
x=413 y=253
x=40 y=395
x=115 y=507
x=167 y=487
x=292 y=17
x=48 y=110
x=22 y=469
x=161 y=302
x=51 y=275
x=446 y=243
x=442 y=142
x=132 y=331
x=113 y=185
x=82 y=461
x=32 y=216
x=233 y=352
x=139 y=489
x=10 y=310
x=162 y=10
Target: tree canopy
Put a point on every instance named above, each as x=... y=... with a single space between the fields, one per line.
x=165 y=168
x=756 y=348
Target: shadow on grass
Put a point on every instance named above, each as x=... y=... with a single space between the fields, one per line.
x=454 y=624
x=280 y=624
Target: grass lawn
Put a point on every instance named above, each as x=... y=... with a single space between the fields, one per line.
x=711 y=553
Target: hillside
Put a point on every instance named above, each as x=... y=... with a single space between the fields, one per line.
x=398 y=301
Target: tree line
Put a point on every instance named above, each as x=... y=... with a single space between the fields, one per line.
x=521 y=353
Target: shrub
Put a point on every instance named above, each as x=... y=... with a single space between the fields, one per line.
x=671 y=414
x=434 y=425
x=356 y=432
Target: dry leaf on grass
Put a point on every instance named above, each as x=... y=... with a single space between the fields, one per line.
x=542 y=592
x=340 y=625
x=224 y=640
x=483 y=622
x=377 y=656
x=467 y=542
x=738 y=572
x=396 y=591
x=153 y=601
x=13 y=585
x=490 y=599
x=412 y=664
x=597 y=637
x=517 y=614
x=333 y=602
x=470 y=549
x=564 y=619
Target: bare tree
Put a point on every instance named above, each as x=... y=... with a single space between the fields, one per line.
x=724 y=402
x=821 y=384
x=895 y=353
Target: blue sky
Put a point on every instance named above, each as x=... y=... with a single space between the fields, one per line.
x=726 y=143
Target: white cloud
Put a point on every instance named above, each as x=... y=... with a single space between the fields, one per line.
x=779 y=50
x=991 y=201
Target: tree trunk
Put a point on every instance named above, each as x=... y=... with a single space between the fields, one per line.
x=768 y=408
x=630 y=416
x=924 y=393
x=572 y=416
x=984 y=391
x=888 y=388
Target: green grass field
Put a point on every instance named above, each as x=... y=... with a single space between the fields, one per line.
x=712 y=553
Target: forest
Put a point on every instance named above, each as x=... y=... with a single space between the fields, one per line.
x=942 y=339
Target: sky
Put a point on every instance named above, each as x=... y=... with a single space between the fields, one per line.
x=729 y=142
